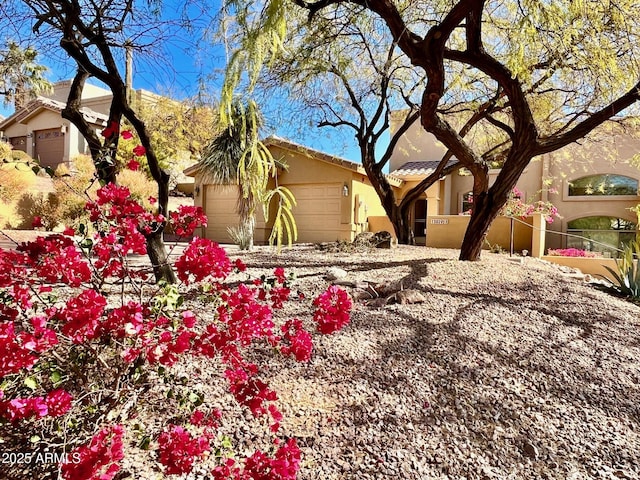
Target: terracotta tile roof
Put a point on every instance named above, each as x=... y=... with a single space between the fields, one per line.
x=296 y=147
x=423 y=169
x=42 y=102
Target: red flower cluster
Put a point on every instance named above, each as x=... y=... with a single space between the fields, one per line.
x=283 y=466
x=56 y=258
x=299 y=340
x=98 y=460
x=185 y=221
x=55 y=404
x=332 y=309
x=203 y=259
x=81 y=316
x=14 y=354
x=179 y=449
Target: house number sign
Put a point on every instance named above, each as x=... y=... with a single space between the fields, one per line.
x=439 y=221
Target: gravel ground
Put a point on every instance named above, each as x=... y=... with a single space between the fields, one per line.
x=509 y=369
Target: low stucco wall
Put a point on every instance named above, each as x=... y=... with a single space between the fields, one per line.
x=447 y=231
x=592 y=266
x=379 y=223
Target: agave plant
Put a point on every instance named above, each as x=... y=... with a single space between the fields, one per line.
x=627 y=277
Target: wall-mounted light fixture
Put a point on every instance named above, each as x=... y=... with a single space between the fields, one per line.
x=63 y=129
x=345 y=190
x=197 y=190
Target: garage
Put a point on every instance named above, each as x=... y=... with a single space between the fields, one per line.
x=19 y=143
x=49 y=147
x=317 y=212
x=220 y=201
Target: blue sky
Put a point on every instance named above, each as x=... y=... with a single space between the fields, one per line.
x=178 y=67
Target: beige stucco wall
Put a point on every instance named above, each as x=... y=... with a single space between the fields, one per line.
x=609 y=154
x=61 y=91
x=416 y=145
x=592 y=266
x=447 y=231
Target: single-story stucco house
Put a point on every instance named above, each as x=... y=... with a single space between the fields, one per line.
x=335 y=199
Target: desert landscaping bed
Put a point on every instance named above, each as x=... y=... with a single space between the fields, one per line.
x=508 y=369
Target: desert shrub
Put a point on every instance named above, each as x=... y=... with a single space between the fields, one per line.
x=139 y=185
x=43 y=207
x=627 y=274
x=20 y=156
x=74 y=187
x=242 y=236
x=5 y=151
x=77 y=363
x=16 y=178
x=9 y=218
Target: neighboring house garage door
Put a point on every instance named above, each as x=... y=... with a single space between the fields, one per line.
x=49 y=147
x=19 y=143
x=221 y=211
x=317 y=212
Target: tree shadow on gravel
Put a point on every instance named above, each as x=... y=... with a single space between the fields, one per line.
x=553 y=395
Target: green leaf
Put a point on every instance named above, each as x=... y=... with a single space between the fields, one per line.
x=144 y=442
x=55 y=377
x=31 y=382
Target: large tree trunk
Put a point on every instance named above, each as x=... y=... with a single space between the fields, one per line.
x=484 y=213
x=487 y=202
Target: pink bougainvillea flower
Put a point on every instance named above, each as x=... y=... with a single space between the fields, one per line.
x=133 y=165
x=139 y=151
x=37 y=222
x=126 y=135
x=69 y=231
x=58 y=402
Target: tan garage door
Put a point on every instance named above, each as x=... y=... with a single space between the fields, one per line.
x=318 y=211
x=49 y=147
x=221 y=211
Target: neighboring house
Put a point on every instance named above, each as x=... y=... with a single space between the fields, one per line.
x=39 y=129
x=594 y=185
x=335 y=200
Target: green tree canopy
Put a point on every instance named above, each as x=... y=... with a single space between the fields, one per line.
x=504 y=81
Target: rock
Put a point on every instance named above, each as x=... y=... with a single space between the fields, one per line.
x=364 y=239
x=530 y=450
x=335 y=273
x=382 y=239
x=405 y=297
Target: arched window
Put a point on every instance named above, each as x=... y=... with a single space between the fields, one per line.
x=603 y=185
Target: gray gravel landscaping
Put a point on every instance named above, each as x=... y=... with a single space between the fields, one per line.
x=509 y=369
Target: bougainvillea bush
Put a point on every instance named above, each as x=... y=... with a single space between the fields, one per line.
x=84 y=334
x=571 y=252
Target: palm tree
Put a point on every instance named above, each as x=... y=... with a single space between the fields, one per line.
x=20 y=75
x=224 y=162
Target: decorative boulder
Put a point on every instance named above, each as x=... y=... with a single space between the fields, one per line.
x=382 y=239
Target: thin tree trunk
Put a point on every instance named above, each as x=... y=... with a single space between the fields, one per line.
x=159 y=259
